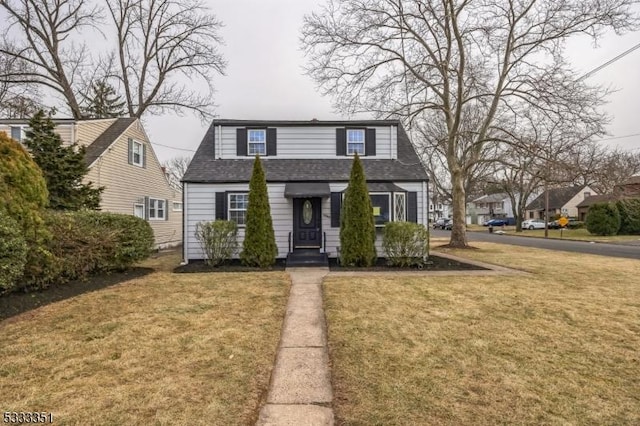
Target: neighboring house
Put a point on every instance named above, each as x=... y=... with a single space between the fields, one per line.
x=120 y=158
x=493 y=206
x=307 y=166
x=628 y=189
x=562 y=201
x=438 y=209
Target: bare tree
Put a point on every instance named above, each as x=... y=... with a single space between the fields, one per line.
x=156 y=43
x=446 y=60
x=603 y=168
x=175 y=169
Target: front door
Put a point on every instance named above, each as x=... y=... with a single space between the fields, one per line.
x=307 y=223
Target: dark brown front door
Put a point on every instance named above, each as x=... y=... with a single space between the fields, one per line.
x=307 y=223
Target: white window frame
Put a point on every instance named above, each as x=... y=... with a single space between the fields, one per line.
x=362 y=143
x=23 y=130
x=397 y=195
x=229 y=209
x=262 y=143
x=135 y=143
x=155 y=203
x=388 y=194
x=141 y=205
x=177 y=209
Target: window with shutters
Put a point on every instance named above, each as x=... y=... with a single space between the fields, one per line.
x=237 y=207
x=137 y=153
x=355 y=142
x=157 y=209
x=381 y=203
x=257 y=141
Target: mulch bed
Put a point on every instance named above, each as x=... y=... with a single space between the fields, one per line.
x=234 y=265
x=16 y=303
x=434 y=263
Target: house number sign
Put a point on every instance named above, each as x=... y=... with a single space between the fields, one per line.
x=307 y=212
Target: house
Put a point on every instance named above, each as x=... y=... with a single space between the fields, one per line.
x=307 y=166
x=121 y=158
x=562 y=201
x=438 y=208
x=492 y=206
x=628 y=189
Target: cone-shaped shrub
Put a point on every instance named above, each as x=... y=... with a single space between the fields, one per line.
x=259 y=245
x=357 y=228
x=629 y=216
x=603 y=219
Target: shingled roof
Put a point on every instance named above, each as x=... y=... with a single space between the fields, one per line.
x=558 y=197
x=104 y=141
x=205 y=168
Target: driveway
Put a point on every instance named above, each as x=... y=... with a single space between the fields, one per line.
x=603 y=249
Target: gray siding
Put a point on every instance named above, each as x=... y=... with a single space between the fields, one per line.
x=307 y=142
x=200 y=206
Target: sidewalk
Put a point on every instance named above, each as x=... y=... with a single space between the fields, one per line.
x=300 y=391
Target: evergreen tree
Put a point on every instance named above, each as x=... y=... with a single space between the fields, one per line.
x=259 y=245
x=357 y=227
x=603 y=219
x=103 y=102
x=63 y=167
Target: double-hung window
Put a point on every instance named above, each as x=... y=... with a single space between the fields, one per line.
x=257 y=141
x=137 y=154
x=157 y=209
x=237 y=207
x=355 y=141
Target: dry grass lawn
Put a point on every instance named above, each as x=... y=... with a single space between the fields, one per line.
x=574 y=234
x=558 y=346
x=179 y=349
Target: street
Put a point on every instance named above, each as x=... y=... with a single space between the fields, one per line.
x=603 y=249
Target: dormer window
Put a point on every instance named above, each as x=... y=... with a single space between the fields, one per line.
x=257 y=141
x=355 y=142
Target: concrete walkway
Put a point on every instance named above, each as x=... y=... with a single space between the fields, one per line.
x=300 y=391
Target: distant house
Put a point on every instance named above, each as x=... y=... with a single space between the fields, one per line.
x=307 y=166
x=628 y=189
x=493 y=206
x=121 y=158
x=562 y=201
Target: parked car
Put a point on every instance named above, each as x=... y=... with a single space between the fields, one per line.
x=500 y=222
x=441 y=223
x=448 y=226
x=573 y=223
x=533 y=224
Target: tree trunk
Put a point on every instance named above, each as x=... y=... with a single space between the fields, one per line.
x=459 y=230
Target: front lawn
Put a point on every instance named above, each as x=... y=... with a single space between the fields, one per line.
x=574 y=234
x=558 y=346
x=165 y=348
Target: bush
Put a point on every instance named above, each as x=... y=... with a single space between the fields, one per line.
x=405 y=243
x=603 y=219
x=629 y=216
x=259 y=245
x=576 y=225
x=219 y=240
x=13 y=253
x=357 y=228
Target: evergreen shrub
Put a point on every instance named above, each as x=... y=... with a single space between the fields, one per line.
x=603 y=219
x=219 y=240
x=405 y=243
x=629 y=210
x=13 y=253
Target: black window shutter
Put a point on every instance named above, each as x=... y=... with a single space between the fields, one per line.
x=412 y=207
x=130 y=151
x=146 y=208
x=221 y=207
x=272 y=145
x=212 y=130
x=144 y=156
x=166 y=209
x=341 y=142
x=241 y=142
x=336 y=205
x=370 y=142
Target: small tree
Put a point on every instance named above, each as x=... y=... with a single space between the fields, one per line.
x=103 y=102
x=603 y=219
x=219 y=240
x=629 y=216
x=357 y=228
x=259 y=245
x=63 y=166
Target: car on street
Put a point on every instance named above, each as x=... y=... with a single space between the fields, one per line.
x=533 y=224
x=448 y=226
x=441 y=223
x=500 y=222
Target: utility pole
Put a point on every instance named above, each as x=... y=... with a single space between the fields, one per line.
x=546 y=206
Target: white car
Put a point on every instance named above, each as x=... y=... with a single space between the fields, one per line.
x=533 y=224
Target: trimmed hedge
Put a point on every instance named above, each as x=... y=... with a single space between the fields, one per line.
x=405 y=243
x=219 y=240
x=13 y=253
x=603 y=219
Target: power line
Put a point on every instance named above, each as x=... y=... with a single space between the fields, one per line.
x=173 y=147
x=618 y=137
x=606 y=64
